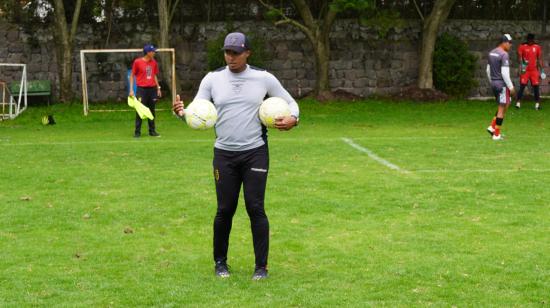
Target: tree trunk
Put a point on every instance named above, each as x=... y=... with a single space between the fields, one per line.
x=322 y=60
x=544 y=16
x=166 y=12
x=430 y=29
x=110 y=6
x=66 y=76
x=65 y=38
x=318 y=32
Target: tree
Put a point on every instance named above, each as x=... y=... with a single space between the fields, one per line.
x=544 y=17
x=454 y=66
x=317 y=29
x=166 y=9
x=430 y=29
x=65 y=43
x=33 y=15
x=109 y=7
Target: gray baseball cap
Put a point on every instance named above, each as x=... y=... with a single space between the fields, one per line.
x=236 y=41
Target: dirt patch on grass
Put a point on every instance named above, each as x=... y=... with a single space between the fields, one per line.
x=413 y=93
x=337 y=95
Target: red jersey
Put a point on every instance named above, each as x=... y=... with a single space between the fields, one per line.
x=145 y=72
x=530 y=54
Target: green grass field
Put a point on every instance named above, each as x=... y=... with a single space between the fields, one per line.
x=91 y=216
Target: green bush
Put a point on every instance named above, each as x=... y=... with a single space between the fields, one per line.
x=454 y=66
x=215 y=58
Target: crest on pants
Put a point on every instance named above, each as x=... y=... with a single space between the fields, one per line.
x=217 y=175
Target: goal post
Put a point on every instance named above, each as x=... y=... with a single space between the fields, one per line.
x=10 y=106
x=83 y=53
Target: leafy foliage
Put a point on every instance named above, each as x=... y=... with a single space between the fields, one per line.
x=349 y=8
x=383 y=20
x=454 y=66
x=352 y=5
x=475 y=9
x=273 y=14
x=25 y=15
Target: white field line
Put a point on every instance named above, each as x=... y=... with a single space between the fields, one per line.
x=535 y=170
x=122 y=110
x=373 y=156
x=7 y=141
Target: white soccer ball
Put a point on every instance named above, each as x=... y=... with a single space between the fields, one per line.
x=272 y=108
x=201 y=114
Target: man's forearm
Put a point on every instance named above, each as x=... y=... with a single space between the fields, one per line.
x=505 y=71
x=131 y=83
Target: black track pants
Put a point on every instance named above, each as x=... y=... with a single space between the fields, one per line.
x=231 y=170
x=148 y=98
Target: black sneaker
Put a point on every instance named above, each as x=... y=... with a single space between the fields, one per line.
x=260 y=273
x=137 y=135
x=154 y=134
x=221 y=269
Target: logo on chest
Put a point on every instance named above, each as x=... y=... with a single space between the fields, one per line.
x=237 y=86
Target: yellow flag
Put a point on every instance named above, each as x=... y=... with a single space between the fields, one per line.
x=141 y=109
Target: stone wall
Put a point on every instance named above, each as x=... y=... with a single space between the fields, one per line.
x=361 y=62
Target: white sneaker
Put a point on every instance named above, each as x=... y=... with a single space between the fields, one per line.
x=537 y=106
x=491 y=130
x=518 y=105
x=498 y=137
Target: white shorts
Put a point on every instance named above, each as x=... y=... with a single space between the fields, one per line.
x=502 y=95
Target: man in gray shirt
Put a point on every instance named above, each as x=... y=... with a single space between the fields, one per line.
x=498 y=73
x=241 y=155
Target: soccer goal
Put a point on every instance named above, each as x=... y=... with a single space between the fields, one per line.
x=123 y=69
x=13 y=104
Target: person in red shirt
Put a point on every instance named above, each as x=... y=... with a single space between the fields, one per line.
x=145 y=70
x=530 y=57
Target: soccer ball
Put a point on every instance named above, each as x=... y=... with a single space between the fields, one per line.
x=272 y=108
x=201 y=114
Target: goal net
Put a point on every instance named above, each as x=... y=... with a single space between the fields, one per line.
x=13 y=90
x=105 y=76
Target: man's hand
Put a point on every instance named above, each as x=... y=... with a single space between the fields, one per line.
x=159 y=93
x=177 y=107
x=513 y=92
x=285 y=123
